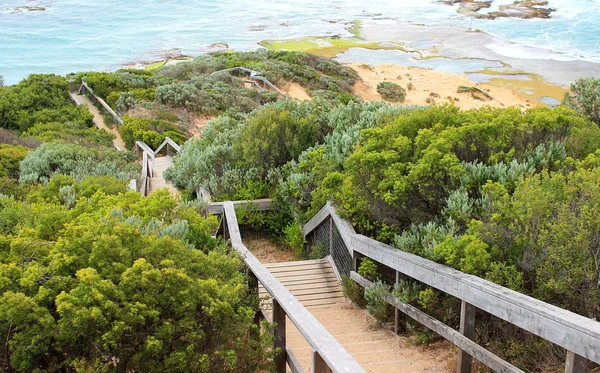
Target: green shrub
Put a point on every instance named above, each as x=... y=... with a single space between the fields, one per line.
x=353 y=291
x=406 y=291
x=376 y=303
x=10 y=159
x=295 y=238
x=368 y=269
x=391 y=91
x=585 y=98
x=318 y=251
x=77 y=161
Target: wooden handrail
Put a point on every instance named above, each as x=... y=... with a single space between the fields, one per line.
x=579 y=335
x=253 y=74
x=169 y=142
x=326 y=349
x=101 y=101
x=265 y=204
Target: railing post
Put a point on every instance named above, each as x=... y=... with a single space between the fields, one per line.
x=253 y=285
x=279 y=319
x=467 y=328
x=576 y=363
x=330 y=234
x=398 y=316
x=318 y=364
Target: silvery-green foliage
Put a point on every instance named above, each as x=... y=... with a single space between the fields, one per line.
x=126 y=102
x=459 y=205
x=68 y=195
x=376 y=301
x=133 y=221
x=348 y=122
x=199 y=205
x=508 y=173
x=421 y=239
x=185 y=70
x=179 y=94
x=406 y=291
x=77 y=161
x=133 y=80
x=178 y=230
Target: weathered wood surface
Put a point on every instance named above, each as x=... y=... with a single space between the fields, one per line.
x=564 y=328
x=144 y=148
x=460 y=340
x=265 y=204
x=169 y=142
x=311 y=282
x=157 y=180
x=336 y=357
x=467 y=329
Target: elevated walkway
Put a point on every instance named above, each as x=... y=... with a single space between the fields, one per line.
x=98 y=120
x=377 y=350
x=157 y=181
x=316 y=330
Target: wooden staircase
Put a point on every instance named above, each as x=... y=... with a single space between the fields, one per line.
x=158 y=181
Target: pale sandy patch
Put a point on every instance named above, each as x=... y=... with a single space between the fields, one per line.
x=294 y=90
x=429 y=84
x=268 y=252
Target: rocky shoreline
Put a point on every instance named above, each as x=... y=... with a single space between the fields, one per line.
x=524 y=9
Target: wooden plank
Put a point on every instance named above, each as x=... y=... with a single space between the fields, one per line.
x=308 y=297
x=567 y=329
x=467 y=328
x=295 y=263
x=315 y=286
x=322 y=302
x=336 y=356
x=265 y=204
x=576 y=363
x=318 y=365
x=279 y=341
x=300 y=277
x=484 y=356
x=329 y=290
x=307 y=271
x=292 y=362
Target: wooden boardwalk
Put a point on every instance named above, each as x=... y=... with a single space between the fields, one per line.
x=158 y=181
x=99 y=120
x=315 y=285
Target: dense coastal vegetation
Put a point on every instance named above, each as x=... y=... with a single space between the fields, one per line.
x=94 y=277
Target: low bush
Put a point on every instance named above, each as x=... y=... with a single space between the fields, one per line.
x=391 y=91
x=353 y=291
x=376 y=303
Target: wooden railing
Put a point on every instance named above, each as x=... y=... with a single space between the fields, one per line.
x=148 y=156
x=100 y=100
x=328 y=354
x=579 y=335
x=255 y=75
x=169 y=144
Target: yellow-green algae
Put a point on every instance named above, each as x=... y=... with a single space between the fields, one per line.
x=155 y=66
x=325 y=47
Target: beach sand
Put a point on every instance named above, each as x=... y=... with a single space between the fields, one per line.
x=431 y=86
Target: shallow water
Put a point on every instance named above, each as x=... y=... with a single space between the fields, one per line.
x=76 y=35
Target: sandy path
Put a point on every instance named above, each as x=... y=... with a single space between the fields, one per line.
x=431 y=85
x=99 y=120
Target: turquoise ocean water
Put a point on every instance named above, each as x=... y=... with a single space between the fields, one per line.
x=78 y=35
